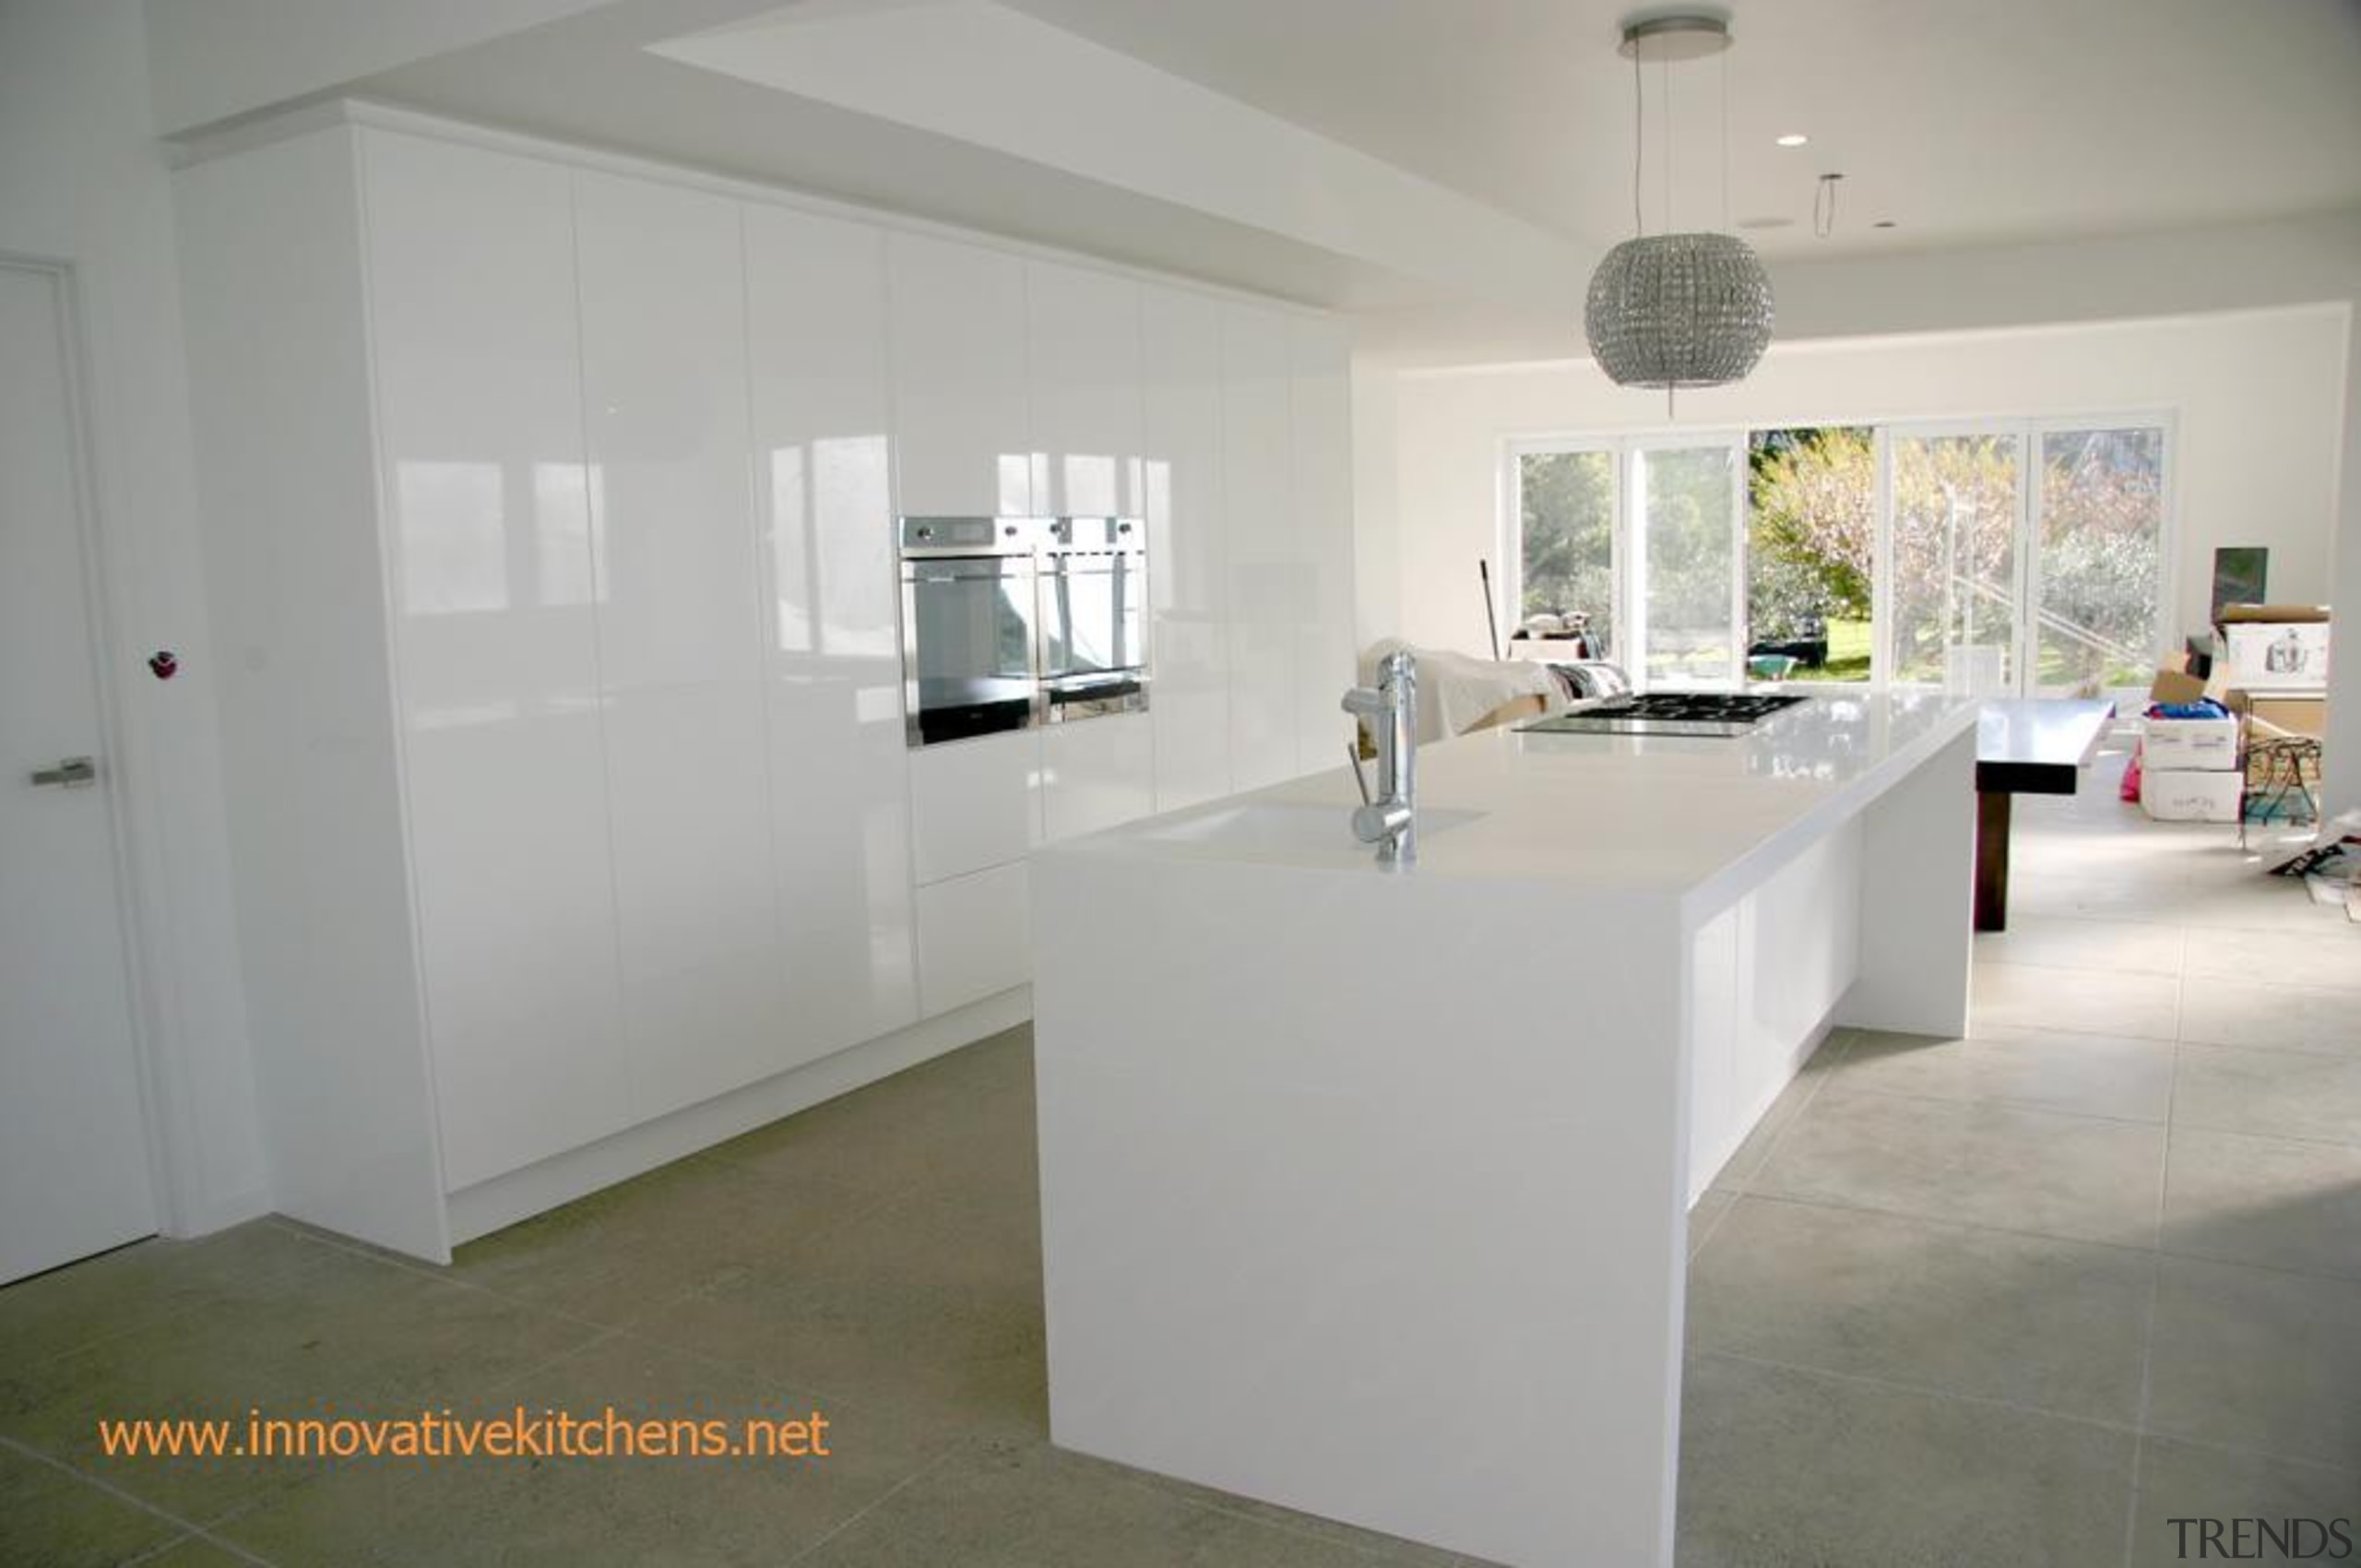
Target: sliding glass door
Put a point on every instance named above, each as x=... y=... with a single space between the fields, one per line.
x=1953 y=575
x=1565 y=508
x=2000 y=556
x=1690 y=591
x=2099 y=568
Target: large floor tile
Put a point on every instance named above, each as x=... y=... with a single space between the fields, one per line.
x=2074 y=1177
x=202 y=1551
x=51 y=1515
x=744 y=1509
x=2269 y=1201
x=617 y=1255
x=1706 y=1217
x=2277 y=1093
x=930 y=1305
x=2058 y=1326
x=346 y=1334
x=2326 y=958
x=2257 y=1359
x=2180 y=1480
x=1751 y=1151
x=2117 y=946
x=1784 y=1468
x=1021 y=1504
x=961 y=1122
x=2240 y=1012
x=2088 y=1075
x=2040 y=887
x=2022 y=996
x=139 y=1286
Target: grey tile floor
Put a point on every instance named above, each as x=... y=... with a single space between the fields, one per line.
x=2011 y=1299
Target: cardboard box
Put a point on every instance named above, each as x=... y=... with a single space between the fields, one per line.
x=2273 y=656
x=2191 y=744
x=2173 y=684
x=2287 y=715
x=2190 y=794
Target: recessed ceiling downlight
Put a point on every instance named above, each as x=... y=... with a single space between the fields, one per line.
x=1794 y=138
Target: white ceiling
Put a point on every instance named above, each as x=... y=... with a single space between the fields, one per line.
x=1453 y=158
x=1964 y=120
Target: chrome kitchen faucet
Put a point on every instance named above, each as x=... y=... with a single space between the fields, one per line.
x=1390 y=821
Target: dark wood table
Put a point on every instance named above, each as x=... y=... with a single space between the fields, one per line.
x=2025 y=746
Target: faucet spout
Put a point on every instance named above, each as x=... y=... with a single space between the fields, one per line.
x=1390 y=820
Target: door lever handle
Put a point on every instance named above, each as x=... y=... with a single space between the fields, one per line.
x=72 y=772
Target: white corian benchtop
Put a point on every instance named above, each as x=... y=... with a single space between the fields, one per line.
x=1607 y=813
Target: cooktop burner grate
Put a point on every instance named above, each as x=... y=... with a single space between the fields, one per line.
x=1670 y=713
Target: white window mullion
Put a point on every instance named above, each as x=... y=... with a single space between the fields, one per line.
x=1881 y=562
x=2028 y=584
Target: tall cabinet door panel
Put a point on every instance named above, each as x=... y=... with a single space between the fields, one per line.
x=1325 y=654
x=839 y=772
x=1269 y=588
x=679 y=637
x=1083 y=366
x=962 y=446
x=488 y=549
x=1188 y=567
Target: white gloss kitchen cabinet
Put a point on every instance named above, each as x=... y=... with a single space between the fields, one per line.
x=550 y=532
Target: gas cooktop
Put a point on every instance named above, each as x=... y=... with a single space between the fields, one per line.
x=1668 y=713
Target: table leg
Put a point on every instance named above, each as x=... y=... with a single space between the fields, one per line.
x=1992 y=859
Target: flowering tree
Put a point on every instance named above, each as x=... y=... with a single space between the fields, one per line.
x=1811 y=529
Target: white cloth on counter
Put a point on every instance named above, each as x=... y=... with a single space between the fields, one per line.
x=1457 y=690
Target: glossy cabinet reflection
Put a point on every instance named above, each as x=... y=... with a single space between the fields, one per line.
x=962 y=446
x=664 y=401
x=488 y=547
x=1083 y=373
x=1269 y=581
x=1321 y=499
x=1188 y=564
x=838 y=770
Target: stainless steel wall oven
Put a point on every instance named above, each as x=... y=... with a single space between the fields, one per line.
x=1012 y=621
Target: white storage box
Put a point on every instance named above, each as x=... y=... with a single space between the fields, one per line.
x=2175 y=794
x=2273 y=656
x=2191 y=744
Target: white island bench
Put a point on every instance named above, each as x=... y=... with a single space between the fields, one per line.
x=1365 y=1191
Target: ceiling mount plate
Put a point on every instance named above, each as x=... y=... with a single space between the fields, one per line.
x=1671 y=36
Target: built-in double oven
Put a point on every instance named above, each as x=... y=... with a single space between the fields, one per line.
x=1012 y=622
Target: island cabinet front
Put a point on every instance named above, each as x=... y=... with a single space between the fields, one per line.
x=1334 y=1219
x=1365 y=1189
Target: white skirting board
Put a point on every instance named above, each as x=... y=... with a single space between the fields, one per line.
x=502 y=1201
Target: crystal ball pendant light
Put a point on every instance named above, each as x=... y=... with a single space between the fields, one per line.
x=1684 y=310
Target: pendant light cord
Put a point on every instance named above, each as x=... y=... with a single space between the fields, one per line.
x=1664 y=78
x=1726 y=141
x=1639 y=139
x=1824 y=206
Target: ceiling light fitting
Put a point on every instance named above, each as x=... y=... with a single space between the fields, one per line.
x=1674 y=310
x=1794 y=138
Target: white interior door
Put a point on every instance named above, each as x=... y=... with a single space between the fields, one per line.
x=73 y=1174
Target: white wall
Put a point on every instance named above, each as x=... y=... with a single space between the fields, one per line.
x=81 y=181
x=2257 y=400
x=217 y=59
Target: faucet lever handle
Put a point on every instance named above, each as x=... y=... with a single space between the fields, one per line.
x=1353 y=755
